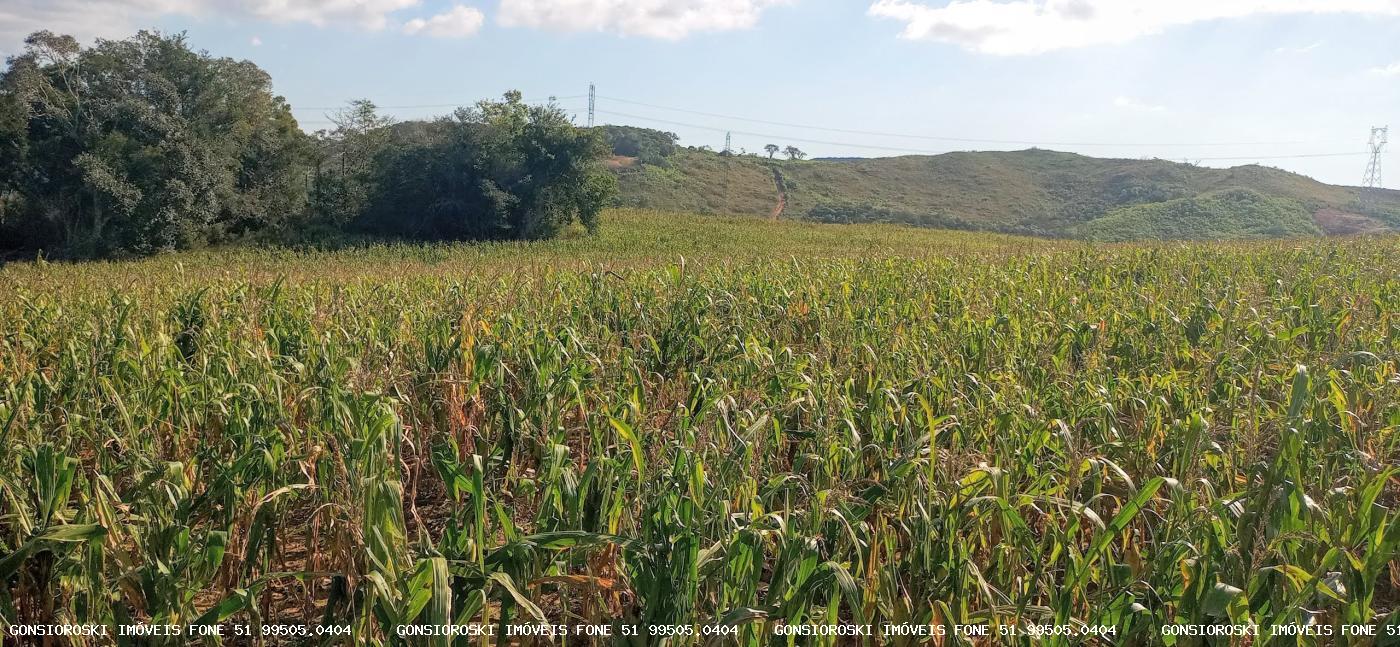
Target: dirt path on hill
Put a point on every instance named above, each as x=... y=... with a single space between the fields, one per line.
x=782 y=195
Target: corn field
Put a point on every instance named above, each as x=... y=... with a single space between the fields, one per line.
x=691 y=421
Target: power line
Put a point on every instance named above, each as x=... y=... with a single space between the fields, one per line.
x=379 y=107
x=304 y=121
x=969 y=140
x=1277 y=157
x=426 y=105
x=918 y=151
x=592 y=96
x=782 y=137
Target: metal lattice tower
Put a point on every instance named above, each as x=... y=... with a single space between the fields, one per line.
x=592 y=100
x=1379 y=137
x=728 y=142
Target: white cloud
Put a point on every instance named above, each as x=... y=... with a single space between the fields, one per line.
x=666 y=19
x=89 y=19
x=255 y=42
x=84 y=19
x=1129 y=103
x=1388 y=70
x=1013 y=27
x=457 y=22
x=1299 y=50
x=367 y=14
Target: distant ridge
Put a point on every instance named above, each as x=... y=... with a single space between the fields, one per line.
x=1036 y=191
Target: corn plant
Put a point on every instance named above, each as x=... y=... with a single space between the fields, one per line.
x=707 y=421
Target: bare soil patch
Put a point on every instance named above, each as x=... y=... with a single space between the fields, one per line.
x=1341 y=223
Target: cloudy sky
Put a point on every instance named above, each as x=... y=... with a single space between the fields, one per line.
x=1290 y=83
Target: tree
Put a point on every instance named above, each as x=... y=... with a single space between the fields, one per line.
x=500 y=170
x=344 y=161
x=647 y=145
x=141 y=145
x=772 y=150
x=794 y=153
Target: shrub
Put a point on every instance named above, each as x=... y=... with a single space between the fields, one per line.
x=1228 y=214
x=501 y=170
x=647 y=145
x=850 y=213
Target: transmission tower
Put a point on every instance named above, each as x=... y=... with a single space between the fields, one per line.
x=729 y=143
x=592 y=99
x=1372 y=180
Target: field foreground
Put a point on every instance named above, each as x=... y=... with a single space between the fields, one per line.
x=698 y=421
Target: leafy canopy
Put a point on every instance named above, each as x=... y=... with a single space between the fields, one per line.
x=141 y=145
x=499 y=170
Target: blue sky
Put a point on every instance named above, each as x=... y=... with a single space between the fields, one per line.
x=1244 y=80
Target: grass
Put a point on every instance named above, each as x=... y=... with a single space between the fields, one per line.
x=703 y=420
x=700 y=182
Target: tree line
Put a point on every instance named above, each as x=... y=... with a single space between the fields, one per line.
x=143 y=145
x=792 y=152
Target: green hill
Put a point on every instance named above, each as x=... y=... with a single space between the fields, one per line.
x=1037 y=192
x=1228 y=214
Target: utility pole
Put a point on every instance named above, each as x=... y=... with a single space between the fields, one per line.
x=592 y=99
x=725 y=155
x=1372 y=180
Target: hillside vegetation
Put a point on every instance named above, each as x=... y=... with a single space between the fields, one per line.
x=1035 y=192
x=1233 y=213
